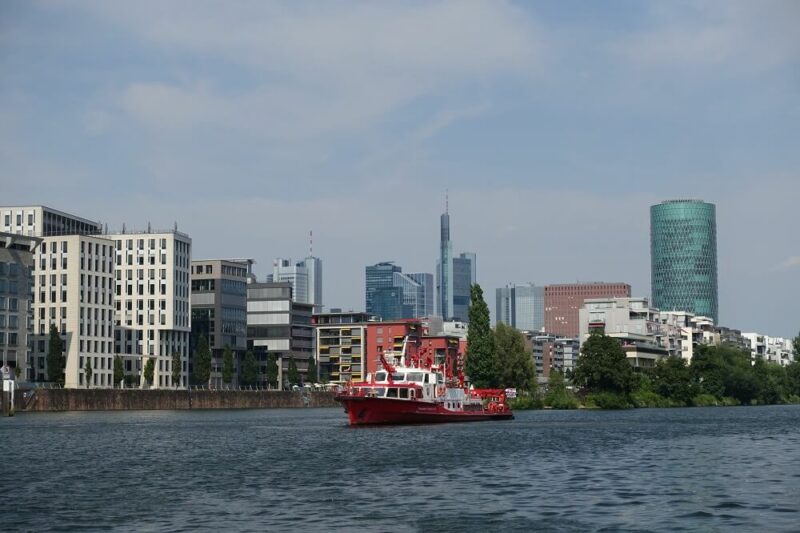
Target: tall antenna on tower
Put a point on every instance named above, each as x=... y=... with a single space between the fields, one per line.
x=311 y=243
x=447 y=201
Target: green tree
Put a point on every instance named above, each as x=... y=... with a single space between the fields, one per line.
x=249 y=369
x=311 y=371
x=708 y=371
x=516 y=364
x=149 y=369
x=796 y=347
x=227 y=365
x=55 y=356
x=602 y=366
x=202 y=361
x=481 y=365
x=272 y=370
x=119 y=370
x=291 y=373
x=793 y=377
x=88 y=372
x=558 y=397
x=177 y=368
x=672 y=378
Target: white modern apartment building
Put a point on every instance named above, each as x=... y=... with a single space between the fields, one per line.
x=771 y=349
x=43 y=221
x=692 y=331
x=73 y=289
x=632 y=320
x=152 y=299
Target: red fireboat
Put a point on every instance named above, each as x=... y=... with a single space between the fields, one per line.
x=405 y=391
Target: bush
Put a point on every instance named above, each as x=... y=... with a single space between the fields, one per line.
x=728 y=401
x=608 y=400
x=561 y=400
x=791 y=398
x=705 y=400
x=644 y=398
x=525 y=402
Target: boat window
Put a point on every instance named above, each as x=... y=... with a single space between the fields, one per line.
x=391 y=393
x=379 y=392
x=414 y=376
x=380 y=376
x=404 y=393
x=398 y=377
x=413 y=393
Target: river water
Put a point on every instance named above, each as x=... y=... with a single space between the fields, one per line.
x=701 y=469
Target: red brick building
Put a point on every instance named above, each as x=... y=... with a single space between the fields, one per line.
x=387 y=336
x=562 y=302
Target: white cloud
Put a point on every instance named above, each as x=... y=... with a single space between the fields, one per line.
x=331 y=67
x=789 y=263
x=746 y=37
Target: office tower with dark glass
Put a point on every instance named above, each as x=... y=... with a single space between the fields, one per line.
x=383 y=298
x=454 y=277
x=392 y=295
x=444 y=269
x=683 y=257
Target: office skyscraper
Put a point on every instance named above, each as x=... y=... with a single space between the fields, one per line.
x=380 y=294
x=393 y=295
x=426 y=307
x=454 y=276
x=521 y=306
x=683 y=257
x=305 y=277
x=464 y=271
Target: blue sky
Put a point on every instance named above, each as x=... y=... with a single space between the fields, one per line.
x=554 y=125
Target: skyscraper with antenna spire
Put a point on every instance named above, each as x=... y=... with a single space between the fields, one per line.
x=454 y=275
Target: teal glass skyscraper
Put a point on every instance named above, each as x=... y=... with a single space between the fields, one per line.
x=683 y=257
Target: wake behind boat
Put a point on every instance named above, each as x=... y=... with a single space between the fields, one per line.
x=408 y=392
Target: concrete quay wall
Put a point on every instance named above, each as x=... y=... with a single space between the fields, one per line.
x=136 y=399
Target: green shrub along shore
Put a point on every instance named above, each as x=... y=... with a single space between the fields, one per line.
x=603 y=378
x=717 y=376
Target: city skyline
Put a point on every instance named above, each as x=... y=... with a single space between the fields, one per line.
x=553 y=130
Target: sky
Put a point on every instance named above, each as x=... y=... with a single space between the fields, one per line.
x=554 y=126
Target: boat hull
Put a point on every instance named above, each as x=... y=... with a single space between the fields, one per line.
x=367 y=411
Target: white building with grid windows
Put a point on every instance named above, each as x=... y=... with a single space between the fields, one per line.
x=152 y=299
x=73 y=289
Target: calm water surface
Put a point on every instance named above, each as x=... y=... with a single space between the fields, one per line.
x=715 y=469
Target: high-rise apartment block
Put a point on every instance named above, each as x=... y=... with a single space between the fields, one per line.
x=521 y=306
x=219 y=309
x=153 y=312
x=683 y=257
x=72 y=270
x=73 y=290
x=341 y=346
x=16 y=312
x=562 y=303
x=551 y=352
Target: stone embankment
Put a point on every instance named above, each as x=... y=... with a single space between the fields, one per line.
x=136 y=399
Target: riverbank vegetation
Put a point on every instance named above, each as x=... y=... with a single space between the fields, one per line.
x=603 y=377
